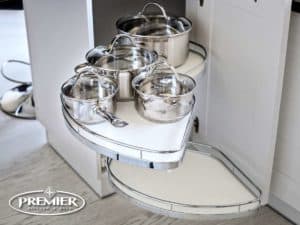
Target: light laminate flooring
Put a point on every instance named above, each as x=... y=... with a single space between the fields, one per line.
x=42 y=167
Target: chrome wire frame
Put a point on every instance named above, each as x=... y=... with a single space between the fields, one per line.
x=24 y=107
x=7 y=77
x=211 y=152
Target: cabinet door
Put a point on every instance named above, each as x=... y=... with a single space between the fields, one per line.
x=247 y=47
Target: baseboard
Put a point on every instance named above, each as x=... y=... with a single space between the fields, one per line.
x=285 y=209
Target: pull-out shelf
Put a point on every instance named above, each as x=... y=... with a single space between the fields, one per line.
x=142 y=143
x=206 y=186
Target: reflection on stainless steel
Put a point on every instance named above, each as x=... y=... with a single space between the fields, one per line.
x=168 y=36
x=91 y=98
x=164 y=97
x=122 y=62
x=18 y=102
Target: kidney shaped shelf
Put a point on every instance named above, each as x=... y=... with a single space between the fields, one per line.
x=143 y=143
x=207 y=185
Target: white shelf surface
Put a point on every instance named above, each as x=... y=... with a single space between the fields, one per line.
x=155 y=145
x=202 y=185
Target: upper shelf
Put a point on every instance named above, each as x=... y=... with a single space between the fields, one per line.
x=143 y=143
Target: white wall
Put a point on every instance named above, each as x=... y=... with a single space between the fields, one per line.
x=286 y=172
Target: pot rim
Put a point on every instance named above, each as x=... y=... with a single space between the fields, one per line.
x=140 y=93
x=91 y=100
x=127 y=18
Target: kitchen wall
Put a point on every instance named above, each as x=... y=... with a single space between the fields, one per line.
x=104 y=18
x=285 y=191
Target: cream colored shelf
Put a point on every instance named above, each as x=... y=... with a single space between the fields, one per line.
x=206 y=185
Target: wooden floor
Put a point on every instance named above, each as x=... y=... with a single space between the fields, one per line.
x=43 y=167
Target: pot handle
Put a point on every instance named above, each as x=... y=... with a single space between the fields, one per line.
x=115 y=40
x=85 y=67
x=82 y=69
x=172 y=101
x=163 y=61
x=154 y=4
x=115 y=121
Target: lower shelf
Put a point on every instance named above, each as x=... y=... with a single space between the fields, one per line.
x=207 y=186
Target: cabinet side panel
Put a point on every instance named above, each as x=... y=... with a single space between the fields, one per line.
x=59 y=35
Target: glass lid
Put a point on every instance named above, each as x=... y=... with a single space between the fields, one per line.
x=154 y=25
x=121 y=55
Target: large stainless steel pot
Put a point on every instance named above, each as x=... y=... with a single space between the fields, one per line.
x=122 y=62
x=91 y=98
x=168 y=36
x=164 y=97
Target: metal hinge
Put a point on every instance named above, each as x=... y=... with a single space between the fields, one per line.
x=101 y=164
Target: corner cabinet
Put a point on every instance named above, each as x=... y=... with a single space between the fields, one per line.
x=163 y=167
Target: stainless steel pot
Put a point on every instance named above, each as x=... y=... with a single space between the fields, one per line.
x=168 y=36
x=91 y=99
x=164 y=97
x=121 y=62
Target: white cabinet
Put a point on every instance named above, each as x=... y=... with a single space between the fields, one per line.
x=59 y=34
x=238 y=98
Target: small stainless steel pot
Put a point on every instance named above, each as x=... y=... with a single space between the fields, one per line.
x=121 y=62
x=168 y=36
x=164 y=97
x=91 y=99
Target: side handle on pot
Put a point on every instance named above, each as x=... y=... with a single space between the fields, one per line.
x=84 y=67
x=115 y=41
x=172 y=101
x=163 y=61
x=153 y=4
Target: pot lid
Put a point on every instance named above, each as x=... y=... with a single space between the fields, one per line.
x=87 y=85
x=164 y=81
x=121 y=55
x=154 y=25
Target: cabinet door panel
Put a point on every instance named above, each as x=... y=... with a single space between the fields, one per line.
x=244 y=83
